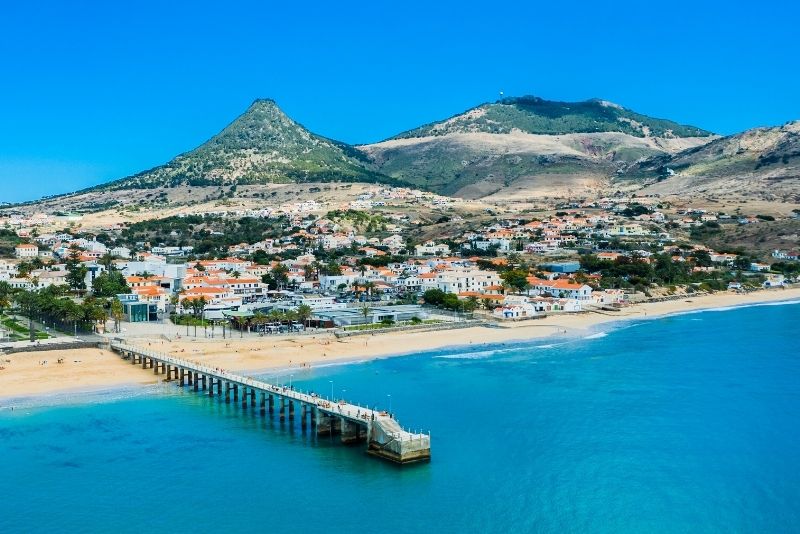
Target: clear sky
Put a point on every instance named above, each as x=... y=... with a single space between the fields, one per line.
x=93 y=91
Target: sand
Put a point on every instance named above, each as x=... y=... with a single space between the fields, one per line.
x=23 y=374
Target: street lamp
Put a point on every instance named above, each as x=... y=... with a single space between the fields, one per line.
x=390 y=403
x=331 y=383
x=290 y=381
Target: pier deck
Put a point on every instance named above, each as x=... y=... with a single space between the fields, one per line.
x=383 y=435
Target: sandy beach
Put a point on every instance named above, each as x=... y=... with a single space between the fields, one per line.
x=27 y=374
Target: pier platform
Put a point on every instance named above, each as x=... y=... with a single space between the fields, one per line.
x=383 y=435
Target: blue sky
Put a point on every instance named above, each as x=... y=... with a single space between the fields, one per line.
x=93 y=91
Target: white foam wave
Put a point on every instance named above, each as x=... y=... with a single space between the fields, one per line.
x=733 y=307
x=597 y=335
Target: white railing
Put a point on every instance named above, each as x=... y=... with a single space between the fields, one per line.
x=354 y=412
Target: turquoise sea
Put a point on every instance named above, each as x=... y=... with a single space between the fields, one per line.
x=688 y=423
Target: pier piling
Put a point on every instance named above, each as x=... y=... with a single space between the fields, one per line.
x=384 y=436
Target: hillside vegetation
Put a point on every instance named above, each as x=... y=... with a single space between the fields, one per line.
x=535 y=115
x=263 y=145
x=529 y=145
x=764 y=162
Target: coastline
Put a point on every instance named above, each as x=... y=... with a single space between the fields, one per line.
x=88 y=371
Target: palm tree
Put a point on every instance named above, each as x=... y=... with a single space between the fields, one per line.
x=316 y=269
x=94 y=312
x=28 y=303
x=258 y=319
x=72 y=314
x=198 y=306
x=304 y=313
x=117 y=313
x=107 y=261
x=368 y=287
x=365 y=310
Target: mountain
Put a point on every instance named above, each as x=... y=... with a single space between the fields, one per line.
x=762 y=162
x=263 y=145
x=534 y=115
x=528 y=146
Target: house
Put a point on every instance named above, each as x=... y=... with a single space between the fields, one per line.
x=20 y=283
x=120 y=252
x=430 y=248
x=630 y=229
x=155 y=295
x=608 y=297
x=608 y=256
x=47 y=278
x=515 y=311
x=561 y=288
x=774 y=280
x=26 y=251
x=793 y=255
x=460 y=280
x=7 y=270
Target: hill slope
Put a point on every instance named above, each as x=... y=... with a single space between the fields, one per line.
x=263 y=145
x=528 y=146
x=531 y=114
x=761 y=162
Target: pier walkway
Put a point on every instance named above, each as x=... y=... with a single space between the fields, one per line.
x=383 y=435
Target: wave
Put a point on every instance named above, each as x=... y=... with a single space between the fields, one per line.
x=473 y=355
x=732 y=307
x=597 y=335
x=481 y=355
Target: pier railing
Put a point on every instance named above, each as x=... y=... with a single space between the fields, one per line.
x=385 y=436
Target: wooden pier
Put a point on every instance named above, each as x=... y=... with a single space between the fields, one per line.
x=384 y=437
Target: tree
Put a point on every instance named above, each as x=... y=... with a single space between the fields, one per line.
x=742 y=263
x=117 y=313
x=365 y=311
x=304 y=312
x=198 y=305
x=278 y=278
x=28 y=303
x=76 y=271
x=434 y=297
x=331 y=269
x=93 y=312
x=73 y=313
x=515 y=279
x=702 y=258
x=6 y=293
x=260 y=257
x=109 y=284
x=107 y=261
x=368 y=287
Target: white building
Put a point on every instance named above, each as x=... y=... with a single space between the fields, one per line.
x=461 y=280
x=430 y=248
x=26 y=251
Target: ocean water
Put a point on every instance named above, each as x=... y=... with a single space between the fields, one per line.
x=689 y=423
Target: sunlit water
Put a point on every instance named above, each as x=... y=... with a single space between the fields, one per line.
x=684 y=424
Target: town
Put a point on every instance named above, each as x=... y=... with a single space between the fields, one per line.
x=366 y=263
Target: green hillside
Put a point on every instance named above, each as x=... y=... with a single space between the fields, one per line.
x=535 y=115
x=263 y=145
